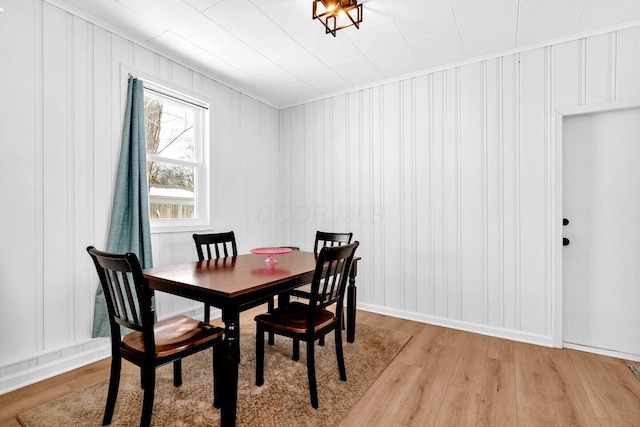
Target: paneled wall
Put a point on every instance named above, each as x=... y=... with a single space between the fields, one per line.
x=449 y=181
x=62 y=91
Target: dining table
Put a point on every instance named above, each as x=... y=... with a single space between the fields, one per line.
x=236 y=284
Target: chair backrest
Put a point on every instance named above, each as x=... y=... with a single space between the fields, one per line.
x=127 y=294
x=223 y=245
x=324 y=238
x=330 y=277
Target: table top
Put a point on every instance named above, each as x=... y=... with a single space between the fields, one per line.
x=232 y=277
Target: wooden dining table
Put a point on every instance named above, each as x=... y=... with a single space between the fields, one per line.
x=235 y=284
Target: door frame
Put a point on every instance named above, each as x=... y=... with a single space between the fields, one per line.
x=556 y=212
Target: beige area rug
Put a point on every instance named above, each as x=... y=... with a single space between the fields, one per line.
x=636 y=370
x=283 y=400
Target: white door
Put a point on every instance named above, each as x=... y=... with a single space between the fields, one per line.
x=601 y=264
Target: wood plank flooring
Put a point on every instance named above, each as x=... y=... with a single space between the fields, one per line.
x=444 y=377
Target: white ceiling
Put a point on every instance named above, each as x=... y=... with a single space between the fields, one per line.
x=274 y=51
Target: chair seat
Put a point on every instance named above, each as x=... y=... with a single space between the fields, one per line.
x=174 y=335
x=293 y=318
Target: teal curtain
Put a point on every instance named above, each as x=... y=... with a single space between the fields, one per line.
x=129 y=230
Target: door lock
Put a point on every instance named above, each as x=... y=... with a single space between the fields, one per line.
x=565 y=241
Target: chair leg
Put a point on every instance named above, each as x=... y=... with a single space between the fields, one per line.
x=270 y=308
x=311 y=373
x=147 y=402
x=259 y=356
x=296 y=350
x=177 y=373
x=339 y=354
x=114 y=384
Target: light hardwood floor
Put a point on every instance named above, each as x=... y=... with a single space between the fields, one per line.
x=444 y=377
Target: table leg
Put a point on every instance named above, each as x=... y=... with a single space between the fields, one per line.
x=231 y=349
x=351 y=304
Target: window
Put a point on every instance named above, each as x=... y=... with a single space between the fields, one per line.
x=176 y=129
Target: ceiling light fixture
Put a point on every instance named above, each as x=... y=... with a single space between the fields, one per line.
x=337 y=14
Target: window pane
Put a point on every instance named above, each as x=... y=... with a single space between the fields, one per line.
x=175 y=126
x=171 y=191
x=170 y=128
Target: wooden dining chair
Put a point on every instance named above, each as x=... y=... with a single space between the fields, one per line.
x=216 y=245
x=150 y=344
x=310 y=322
x=323 y=238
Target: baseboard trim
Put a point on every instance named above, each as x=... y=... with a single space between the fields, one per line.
x=35 y=368
x=49 y=364
x=602 y=351
x=543 y=340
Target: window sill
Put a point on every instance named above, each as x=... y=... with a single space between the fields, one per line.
x=158 y=227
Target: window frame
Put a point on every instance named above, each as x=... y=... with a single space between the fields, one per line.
x=201 y=163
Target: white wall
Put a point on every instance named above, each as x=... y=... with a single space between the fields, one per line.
x=62 y=90
x=449 y=181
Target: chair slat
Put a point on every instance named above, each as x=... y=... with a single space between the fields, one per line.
x=117 y=288
x=131 y=301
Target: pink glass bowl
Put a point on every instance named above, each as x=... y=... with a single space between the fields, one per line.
x=271 y=253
